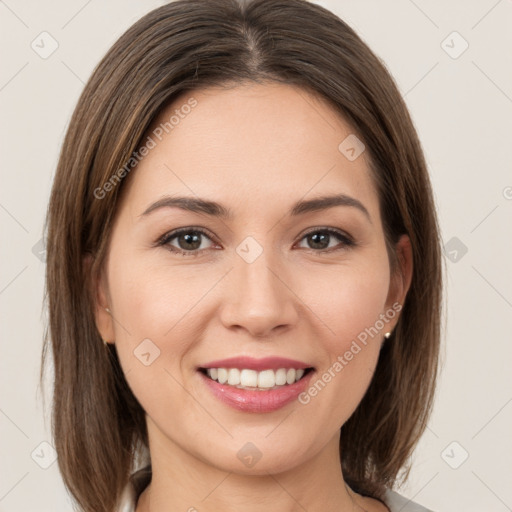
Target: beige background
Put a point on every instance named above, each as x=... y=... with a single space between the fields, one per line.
x=462 y=107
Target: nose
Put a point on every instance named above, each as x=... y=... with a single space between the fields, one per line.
x=258 y=298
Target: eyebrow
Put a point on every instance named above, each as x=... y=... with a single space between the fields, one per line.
x=198 y=205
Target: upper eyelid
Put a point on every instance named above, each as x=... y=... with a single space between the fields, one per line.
x=168 y=235
x=335 y=231
x=165 y=239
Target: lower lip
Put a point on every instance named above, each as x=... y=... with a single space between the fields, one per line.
x=257 y=401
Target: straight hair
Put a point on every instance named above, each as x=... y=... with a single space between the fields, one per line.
x=98 y=426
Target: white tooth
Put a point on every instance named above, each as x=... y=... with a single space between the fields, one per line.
x=281 y=377
x=234 y=377
x=222 y=375
x=249 y=378
x=266 y=379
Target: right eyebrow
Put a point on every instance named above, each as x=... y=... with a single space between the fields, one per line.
x=191 y=204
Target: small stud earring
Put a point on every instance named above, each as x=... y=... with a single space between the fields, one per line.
x=387 y=335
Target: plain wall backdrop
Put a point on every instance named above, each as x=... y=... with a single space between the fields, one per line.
x=452 y=61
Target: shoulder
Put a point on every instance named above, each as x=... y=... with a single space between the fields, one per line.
x=398 y=503
x=137 y=483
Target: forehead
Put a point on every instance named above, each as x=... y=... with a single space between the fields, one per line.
x=250 y=145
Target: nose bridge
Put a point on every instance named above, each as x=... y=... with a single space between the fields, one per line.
x=258 y=299
x=259 y=286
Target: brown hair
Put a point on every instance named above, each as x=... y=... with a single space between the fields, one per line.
x=98 y=425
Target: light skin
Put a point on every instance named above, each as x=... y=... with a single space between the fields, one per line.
x=257 y=150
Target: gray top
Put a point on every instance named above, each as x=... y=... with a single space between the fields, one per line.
x=141 y=478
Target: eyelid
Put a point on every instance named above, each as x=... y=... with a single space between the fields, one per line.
x=329 y=230
x=169 y=235
x=346 y=240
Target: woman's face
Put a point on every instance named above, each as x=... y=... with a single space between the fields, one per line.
x=265 y=274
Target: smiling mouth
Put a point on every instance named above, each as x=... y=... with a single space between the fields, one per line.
x=244 y=378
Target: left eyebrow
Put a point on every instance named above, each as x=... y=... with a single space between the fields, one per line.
x=322 y=203
x=198 y=205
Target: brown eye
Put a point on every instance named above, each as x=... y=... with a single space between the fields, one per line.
x=187 y=241
x=321 y=239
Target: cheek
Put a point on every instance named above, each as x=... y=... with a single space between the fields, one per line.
x=154 y=301
x=168 y=305
x=349 y=300
x=152 y=331
x=349 y=305
x=169 y=301
x=344 y=383
x=160 y=311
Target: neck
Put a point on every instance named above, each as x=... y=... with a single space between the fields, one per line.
x=183 y=482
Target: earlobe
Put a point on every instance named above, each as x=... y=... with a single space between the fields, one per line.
x=99 y=293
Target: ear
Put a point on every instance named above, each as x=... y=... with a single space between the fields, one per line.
x=99 y=292
x=402 y=277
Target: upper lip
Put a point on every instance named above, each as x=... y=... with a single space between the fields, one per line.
x=266 y=363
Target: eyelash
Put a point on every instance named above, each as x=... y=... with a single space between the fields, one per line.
x=347 y=241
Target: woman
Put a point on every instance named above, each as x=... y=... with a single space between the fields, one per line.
x=243 y=214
